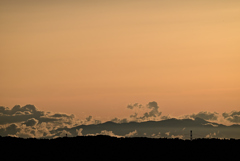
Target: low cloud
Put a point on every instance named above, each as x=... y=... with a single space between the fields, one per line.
x=177 y=136
x=65 y=133
x=79 y=132
x=212 y=116
x=158 y=135
x=116 y=120
x=90 y=120
x=233 y=116
x=132 y=134
x=105 y=132
x=19 y=114
x=28 y=121
x=167 y=133
x=31 y=122
x=211 y=135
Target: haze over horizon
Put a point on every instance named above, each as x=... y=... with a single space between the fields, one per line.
x=95 y=58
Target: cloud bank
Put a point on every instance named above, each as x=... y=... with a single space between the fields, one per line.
x=146 y=120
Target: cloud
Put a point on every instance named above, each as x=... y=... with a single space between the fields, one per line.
x=28 y=121
x=135 y=105
x=60 y=115
x=109 y=133
x=167 y=133
x=131 y=134
x=204 y=115
x=19 y=114
x=12 y=129
x=89 y=118
x=79 y=132
x=154 y=110
x=177 y=136
x=158 y=135
x=18 y=109
x=152 y=114
x=233 y=116
x=211 y=135
x=31 y=122
x=116 y=120
x=65 y=133
x=105 y=132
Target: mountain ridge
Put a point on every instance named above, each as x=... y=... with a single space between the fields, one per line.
x=165 y=128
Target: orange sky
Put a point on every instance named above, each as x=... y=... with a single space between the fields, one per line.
x=96 y=57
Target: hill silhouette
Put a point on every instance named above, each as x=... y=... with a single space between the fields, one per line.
x=106 y=147
x=165 y=128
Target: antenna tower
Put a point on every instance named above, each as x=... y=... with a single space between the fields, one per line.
x=191 y=135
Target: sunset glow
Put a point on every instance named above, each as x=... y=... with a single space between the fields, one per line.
x=96 y=57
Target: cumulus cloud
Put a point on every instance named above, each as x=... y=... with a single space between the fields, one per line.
x=28 y=121
x=152 y=114
x=12 y=129
x=19 y=114
x=233 y=116
x=31 y=122
x=154 y=110
x=204 y=115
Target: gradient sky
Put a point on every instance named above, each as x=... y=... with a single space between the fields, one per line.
x=95 y=57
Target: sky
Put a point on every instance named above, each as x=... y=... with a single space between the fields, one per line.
x=97 y=57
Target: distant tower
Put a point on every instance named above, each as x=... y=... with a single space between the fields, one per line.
x=191 y=135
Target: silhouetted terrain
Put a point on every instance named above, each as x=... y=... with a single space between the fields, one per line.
x=106 y=147
x=165 y=128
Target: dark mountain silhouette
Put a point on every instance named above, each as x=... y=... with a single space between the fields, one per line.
x=165 y=128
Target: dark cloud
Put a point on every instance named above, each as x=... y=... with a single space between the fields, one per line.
x=18 y=109
x=153 y=113
x=31 y=122
x=206 y=115
x=28 y=121
x=119 y=120
x=135 y=105
x=12 y=129
x=233 y=116
x=89 y=118
x=20 y=114
x=154 y=110
x=62 y=115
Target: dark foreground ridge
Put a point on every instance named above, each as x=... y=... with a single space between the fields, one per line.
x=106 y=147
